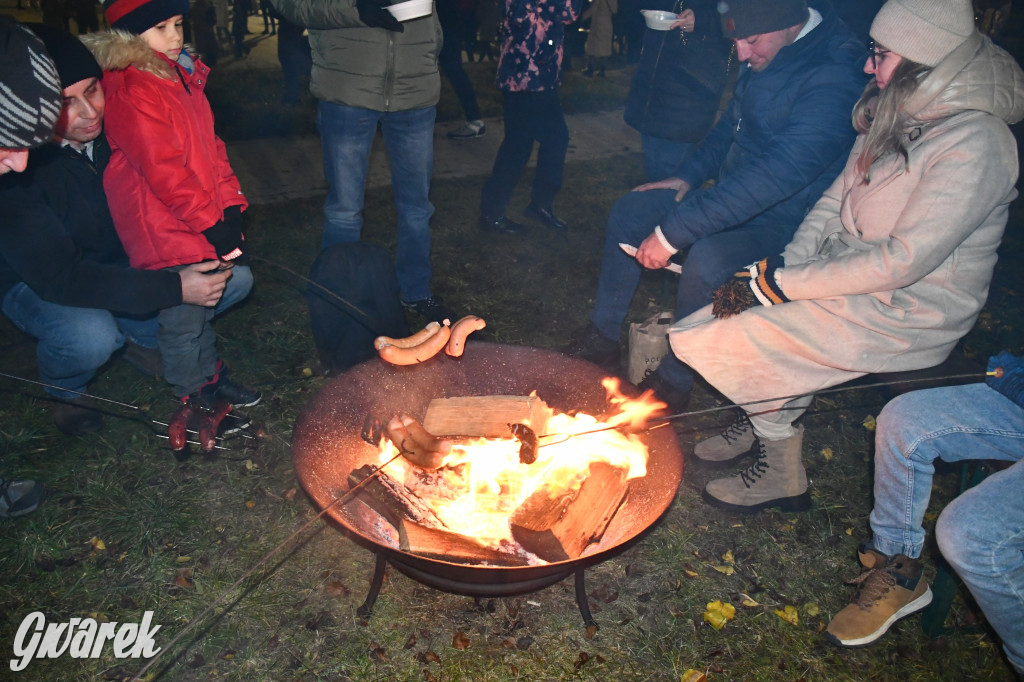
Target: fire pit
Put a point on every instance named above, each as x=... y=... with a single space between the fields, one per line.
x=327 y=447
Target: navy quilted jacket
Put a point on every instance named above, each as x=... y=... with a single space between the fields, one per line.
x=782 y=141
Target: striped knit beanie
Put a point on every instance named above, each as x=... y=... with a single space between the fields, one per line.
x=138 y=16
x=30 y=94
x=924 y=31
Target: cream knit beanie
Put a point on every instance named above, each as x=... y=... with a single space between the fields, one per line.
x=924 y=31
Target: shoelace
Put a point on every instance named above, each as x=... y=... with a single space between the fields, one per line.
x=873 y=584
x=752 y=474
x=735 y=430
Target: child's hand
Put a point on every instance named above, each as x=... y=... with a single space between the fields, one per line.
x=226 y=234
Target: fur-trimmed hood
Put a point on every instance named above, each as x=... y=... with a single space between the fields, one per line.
x=116 y=50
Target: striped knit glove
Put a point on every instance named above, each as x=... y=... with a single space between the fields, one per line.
x=1011 y=382
x=755 y=286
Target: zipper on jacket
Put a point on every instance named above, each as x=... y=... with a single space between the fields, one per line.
x=182 y=77
x=389 y=73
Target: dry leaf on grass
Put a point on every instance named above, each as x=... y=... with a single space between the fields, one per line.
x=460 y=640
x=869 y=422
x=718 y=613
x=692 y=675
x=788 y=614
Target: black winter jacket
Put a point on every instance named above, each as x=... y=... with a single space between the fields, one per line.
x=782 y=141
x=680 y=77
x=57 y=236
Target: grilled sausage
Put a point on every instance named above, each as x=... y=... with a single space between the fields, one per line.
x=460 y=330
x=210 y=423
x=421 y=353
x=419 y=454
x=177 y=429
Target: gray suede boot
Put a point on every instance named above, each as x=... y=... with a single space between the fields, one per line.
x=735 y=443
x=776 y=479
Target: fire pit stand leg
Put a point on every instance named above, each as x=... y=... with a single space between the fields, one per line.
x=366 y=609
x=581 y=599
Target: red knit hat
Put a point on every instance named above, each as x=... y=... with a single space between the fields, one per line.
x=138 y=16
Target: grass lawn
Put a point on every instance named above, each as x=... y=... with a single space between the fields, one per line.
x=127 y=528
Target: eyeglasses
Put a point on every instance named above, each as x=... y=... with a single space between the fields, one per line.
x=875 y=53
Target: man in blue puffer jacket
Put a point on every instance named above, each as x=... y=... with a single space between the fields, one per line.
x=782 y=141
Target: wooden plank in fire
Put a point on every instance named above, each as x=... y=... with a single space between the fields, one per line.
x=391 y=499
x=560 y=527
x=441 y=544
x=485 y=415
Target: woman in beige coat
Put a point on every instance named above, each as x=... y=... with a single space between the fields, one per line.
x=892 y=265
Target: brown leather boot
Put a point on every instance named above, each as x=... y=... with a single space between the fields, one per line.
x=776 y=479
x=77 y=416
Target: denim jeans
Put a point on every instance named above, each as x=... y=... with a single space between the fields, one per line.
x=188 y=344
x=981 y=533
x=529 y=117
x=662 y=156
x=709 y=263
x=347 y=134
x=74 y=342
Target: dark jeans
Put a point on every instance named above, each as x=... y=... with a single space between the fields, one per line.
x=529 y=117
x=709 y=263
x=450 y=61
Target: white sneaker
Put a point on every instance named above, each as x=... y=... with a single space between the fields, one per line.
x=468 y=131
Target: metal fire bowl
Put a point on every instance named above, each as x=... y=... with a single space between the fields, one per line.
x=327 y=446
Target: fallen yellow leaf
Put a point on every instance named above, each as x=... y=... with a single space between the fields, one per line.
x=747 y=601
x=98 y=544
x=307 y=372
x=727 y=570
x=788 y=614
x=692 y=675
x=827 y=454
x=249 y=504
x=811 y=609
x=184 y=559
x=869 y=422
x=727 y=557
x=718 y=614
x=849 y=531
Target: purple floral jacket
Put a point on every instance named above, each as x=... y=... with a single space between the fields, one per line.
x=532 y=38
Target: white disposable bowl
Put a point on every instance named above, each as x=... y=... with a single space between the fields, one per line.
x=411 y=9
x=658 y=19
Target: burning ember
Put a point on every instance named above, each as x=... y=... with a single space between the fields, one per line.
x=550 y=509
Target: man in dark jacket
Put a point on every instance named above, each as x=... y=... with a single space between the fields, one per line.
x=678 y=84
x=64 y=276
x=783 y=139
x=371 y=70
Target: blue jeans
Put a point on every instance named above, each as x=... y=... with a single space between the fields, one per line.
x=346 y=134
x=530 y=116
x=662 y=156
x=981 y=533
x=709 y=263
x=74 y=342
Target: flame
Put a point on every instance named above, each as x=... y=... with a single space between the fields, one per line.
x=483 y=482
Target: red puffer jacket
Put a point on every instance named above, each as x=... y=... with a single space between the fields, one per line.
x=168 y=178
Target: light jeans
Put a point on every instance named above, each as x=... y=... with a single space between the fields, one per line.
x=346 y=134
x=981 y=533
x=74 y=342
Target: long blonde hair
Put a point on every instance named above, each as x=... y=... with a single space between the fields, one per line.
x=879 y=114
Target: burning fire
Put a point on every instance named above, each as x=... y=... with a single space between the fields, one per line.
x=483 y=481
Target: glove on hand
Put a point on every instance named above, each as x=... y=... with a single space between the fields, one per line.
x=373 y=14
x=1011 y=384
x=746 y=289
x=226 y=234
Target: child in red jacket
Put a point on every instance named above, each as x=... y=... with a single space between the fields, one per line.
x=173 y=196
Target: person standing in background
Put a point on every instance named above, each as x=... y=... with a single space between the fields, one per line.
x=529 y=73
x=599 y=41
x=677 y=86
